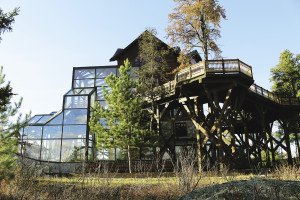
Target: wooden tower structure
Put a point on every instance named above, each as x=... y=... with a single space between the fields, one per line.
x=232 y=116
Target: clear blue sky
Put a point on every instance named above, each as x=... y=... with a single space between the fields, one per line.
x=51 y=37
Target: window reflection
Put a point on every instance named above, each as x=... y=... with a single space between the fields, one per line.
x=75 y=116
x=32 y=148
x=33 y=132
x=84 y=73
x=73 y=150
x=74 y=131
x=52 y=132
x=51 y=150
x=76 y=101
x=83 y=83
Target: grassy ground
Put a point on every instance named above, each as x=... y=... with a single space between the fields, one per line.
x=209 y=185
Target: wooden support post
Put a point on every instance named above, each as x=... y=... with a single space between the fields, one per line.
x=286 y=137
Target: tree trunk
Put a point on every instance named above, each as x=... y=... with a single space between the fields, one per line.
x=297 y=144
x=199 y=156
x=129 y=159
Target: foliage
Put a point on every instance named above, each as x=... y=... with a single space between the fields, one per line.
x=7 y=19
x=196 y=24
x=153 y=71
x=124 y=127
x=9 y=131
x=286 y=75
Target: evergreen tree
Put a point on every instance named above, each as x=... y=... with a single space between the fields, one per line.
x=10 y=124
x=285 y=77
x=196 y=24
x=6 y=20
x=154 y=69
x=9 y=131
x=123 y=117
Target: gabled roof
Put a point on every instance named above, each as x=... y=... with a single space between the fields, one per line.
x=119 y=52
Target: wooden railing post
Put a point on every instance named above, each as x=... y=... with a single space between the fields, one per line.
x=190 y=72
x=223 y=67
x=239 y=65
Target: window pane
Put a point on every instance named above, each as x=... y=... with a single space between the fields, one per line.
x=104 y=72
x=52 y=132
x=75 y=116
x=74 y=91
x=76 y=102
x=51 y=150
x=44 y=119
x=72 y=150
x=35 y=119
x=100 y=82
x=57 y=119
x=83 y=83
x=84 y=73
x=86 y=91
x=74 y=131
x=93 y=99
x=32 y=148
x=33 y=132
x=100 y=93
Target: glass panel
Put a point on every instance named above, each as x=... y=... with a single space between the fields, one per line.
x=57 y=119
x=74 y=91
x=44 y=119
x=93 y=99
x=73 y=150
x=33 y=132
x=75 y=116
x=83 y=83
x=100 y=82
x=74 y=131
x=35 y=119
x=100 y=93
x=87 y=91
x=84 y=73
x=76 y=101
x=104 y=72
x=32 y=148
x=52 y=132
x=51 y=150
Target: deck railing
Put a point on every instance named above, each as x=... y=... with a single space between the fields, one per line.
x=228 y=66
x=270 y=95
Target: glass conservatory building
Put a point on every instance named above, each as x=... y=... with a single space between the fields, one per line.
x=63 y=136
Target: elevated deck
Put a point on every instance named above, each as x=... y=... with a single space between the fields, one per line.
x=224 y=69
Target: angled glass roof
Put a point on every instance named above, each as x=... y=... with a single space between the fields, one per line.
x=79 y=91
x=40 y=119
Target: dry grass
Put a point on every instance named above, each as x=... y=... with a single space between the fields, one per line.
x=28 y=185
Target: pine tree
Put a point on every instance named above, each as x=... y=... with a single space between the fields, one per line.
x=123 y=117
x=7 y=19
x=10 y=124
x=285 y=77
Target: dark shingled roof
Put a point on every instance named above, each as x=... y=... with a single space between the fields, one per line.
x=120 y=51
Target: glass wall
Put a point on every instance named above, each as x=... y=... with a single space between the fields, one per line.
x=63 y=136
